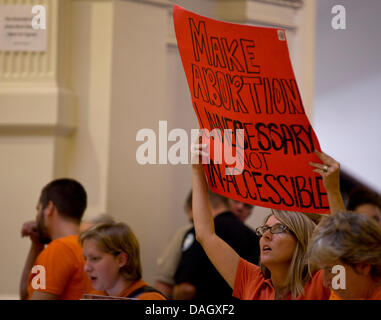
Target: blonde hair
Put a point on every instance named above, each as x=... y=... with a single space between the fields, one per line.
x=302 y=228
x=347 y=237
x=114 y=238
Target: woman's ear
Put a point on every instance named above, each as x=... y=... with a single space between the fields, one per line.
x=122 y=259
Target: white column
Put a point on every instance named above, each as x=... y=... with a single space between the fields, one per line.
x=141 y=196
x=37 y=119
x=92 y=81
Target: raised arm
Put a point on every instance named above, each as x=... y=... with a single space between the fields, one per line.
x=223 y=257
x=330 y=171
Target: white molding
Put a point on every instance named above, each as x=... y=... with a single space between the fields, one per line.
x=272 y=14
x=171 y=35
x=158 y=3
x=9 y=297
x=247 y=12
x=171 y=42
x=31 y=66
x=253 y=12
x=279 y=3
x=35 y=97
x=283 y=3
x=37 y=110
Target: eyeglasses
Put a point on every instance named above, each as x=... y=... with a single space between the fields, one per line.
x=276 y=228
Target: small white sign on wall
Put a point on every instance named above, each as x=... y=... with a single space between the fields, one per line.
x=18 y=31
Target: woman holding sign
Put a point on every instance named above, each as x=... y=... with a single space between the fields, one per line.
x=284 y=272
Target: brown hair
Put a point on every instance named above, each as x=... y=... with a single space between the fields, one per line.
x=348 y=237
x=114 y=238
x=68 y=196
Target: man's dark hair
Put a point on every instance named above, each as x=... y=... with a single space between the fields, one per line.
x=68 y=196
x=359 y=197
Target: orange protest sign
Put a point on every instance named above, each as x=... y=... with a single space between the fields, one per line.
x=240 y=78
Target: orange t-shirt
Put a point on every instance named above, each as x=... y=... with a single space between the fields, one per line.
x=64 y=264
x=131 y=288
x=334 y=296
x=376 y=295
x=250 y=284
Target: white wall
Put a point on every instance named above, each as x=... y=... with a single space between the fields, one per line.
x=347 y=109
x=111 y=68
x=37 y=121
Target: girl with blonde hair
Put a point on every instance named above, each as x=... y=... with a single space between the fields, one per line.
x=113 y=263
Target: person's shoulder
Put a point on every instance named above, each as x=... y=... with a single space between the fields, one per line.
x=182 y=232
x=141 y=290
x=314 y=289
x=229 y=222
x=250 y=273
x=226 y=220
x=316 y=279
x=248 y=230
x=317 y=276
x=251 y=267
x=189 y=240
x=64 y=247
x=376 y=295
x=226 y=215
x=69 y=242
x=151 y=296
